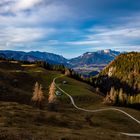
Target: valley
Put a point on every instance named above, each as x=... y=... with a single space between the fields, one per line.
x=89 y=70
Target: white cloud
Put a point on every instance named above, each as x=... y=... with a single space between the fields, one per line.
x=23 y=36
x=87 y=42
x=17 y=5
x=33 y=12
x=18 y=26
x=124 y=32
x=24 y=4
x=115 y=35
x=122 y=38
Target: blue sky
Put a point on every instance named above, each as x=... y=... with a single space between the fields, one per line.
x=70 y=27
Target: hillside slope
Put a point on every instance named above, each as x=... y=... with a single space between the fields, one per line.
x=122 y=75
x=125 y=69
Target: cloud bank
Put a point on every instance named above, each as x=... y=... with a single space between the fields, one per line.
x=73 y=26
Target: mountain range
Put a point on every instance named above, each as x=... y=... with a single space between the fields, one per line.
x=33 y=56
x=98 y=57
x=88 y=58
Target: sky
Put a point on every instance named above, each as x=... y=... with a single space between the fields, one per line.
x=69 y=27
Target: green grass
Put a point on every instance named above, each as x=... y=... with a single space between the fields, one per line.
x=83 y=94
x=86 y=97
x=24 y=122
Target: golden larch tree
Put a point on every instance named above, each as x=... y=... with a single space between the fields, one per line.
x=52 y=96
x=52 y=106
x=38 y=96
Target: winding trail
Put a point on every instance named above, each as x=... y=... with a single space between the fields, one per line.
x=97 y=110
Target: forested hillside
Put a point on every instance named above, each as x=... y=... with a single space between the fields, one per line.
x=121 y=79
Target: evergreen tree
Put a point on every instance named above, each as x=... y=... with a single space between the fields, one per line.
x=67 y=72
x=121 y=97
x=131 y=99
x=138 y=98
x=112 y=93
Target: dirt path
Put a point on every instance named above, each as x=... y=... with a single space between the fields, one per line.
x=98 y=110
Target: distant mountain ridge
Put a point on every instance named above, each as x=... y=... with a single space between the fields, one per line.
x=88 y=58
x=33 y=56
x=99 y=57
